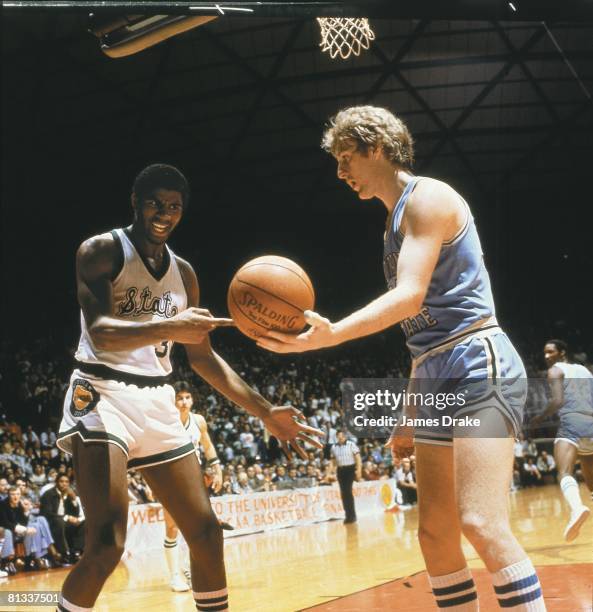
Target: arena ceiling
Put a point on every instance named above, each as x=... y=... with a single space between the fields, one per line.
x=492 y=105
x=500 y=107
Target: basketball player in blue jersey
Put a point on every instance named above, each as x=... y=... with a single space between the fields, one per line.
x=571 y=397
x=137 y=298
x=439 y=291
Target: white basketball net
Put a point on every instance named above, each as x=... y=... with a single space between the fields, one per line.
x=345 y=36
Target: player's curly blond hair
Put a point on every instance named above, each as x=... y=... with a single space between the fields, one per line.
x=370 y=127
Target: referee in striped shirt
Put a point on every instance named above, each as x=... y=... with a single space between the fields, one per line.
x=346 y=456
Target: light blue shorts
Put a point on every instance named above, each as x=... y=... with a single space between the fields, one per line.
x=485 y=369
x=576 y=428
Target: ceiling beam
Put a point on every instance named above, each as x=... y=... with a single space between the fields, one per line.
x=475 y=103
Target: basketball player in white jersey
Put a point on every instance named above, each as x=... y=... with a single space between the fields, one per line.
x=438 y=289
x=571 y=391
x=197 y=428
x=137 y=298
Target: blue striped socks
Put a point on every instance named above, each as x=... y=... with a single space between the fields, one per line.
x=455 y=592
x=517 y=588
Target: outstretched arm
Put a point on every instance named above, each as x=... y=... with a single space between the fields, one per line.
x=96 y=265
x=210 y=453
x=428 y=224
x=282 y=421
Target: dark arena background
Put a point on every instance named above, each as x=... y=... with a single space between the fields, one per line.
x=498 y=97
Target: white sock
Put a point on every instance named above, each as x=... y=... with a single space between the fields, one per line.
x=517 y=587
x=456 y=591
x=64 y=604
x=172 y=556
x=209 y=601
x=570 y=490
x=184 y=556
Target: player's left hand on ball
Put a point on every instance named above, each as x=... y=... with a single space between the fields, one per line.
x=321 y=334
x=283 y=423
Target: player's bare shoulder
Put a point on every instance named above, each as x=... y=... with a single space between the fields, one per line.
x=555 y=373
x=98 y=255
x=433 y=202
x=201 y=422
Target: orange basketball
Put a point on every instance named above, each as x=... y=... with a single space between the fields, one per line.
x=270 y=292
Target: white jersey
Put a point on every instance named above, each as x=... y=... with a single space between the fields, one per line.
x=139 y=295
x=193 y=429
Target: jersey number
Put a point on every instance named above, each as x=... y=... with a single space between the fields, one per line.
x=162 y=352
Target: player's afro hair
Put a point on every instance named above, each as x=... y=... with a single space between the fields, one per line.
x=160 y=176
x=559 y=344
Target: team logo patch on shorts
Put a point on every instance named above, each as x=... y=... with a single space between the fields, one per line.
x=84 y=397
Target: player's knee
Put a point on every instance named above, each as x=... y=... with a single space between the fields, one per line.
x=106 y=545
x=478 y=528
x=203 y=533
x=432 y=535
x=562 y=472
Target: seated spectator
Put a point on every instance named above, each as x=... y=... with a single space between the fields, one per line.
x=280 y=475
x=292 y=482
x=48 y=438
x=29 y=436
x=531 y=473
x=63 y=511
x=369 y=471
x=133 y=498
x=139 y=489
x=312 y=475
x=44 y=545
x=383 y=471
x=547 y=465
x=227 y=486
x=242 y=487
x=27 y=491
x=13 y=458
x=14 y=518
x=254 y=482
x=51 y=481
x=406 y=482
x=7 y=566
x=531 y=450
x=247 y=439
x=3 y=489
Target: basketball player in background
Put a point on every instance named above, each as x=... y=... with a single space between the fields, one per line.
x=197 y=428
x=439 y=291
x=571 y=397
x=137 y=298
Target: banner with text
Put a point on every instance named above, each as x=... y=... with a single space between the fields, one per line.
x=255 y=512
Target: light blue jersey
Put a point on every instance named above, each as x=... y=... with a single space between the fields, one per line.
x=577 y=387
x=459 y=296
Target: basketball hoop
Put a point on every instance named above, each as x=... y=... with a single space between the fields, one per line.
x=345 y=36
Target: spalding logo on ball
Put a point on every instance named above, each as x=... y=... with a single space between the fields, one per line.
x=270 y=292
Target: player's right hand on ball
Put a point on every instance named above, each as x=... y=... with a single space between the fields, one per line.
x=193 y=324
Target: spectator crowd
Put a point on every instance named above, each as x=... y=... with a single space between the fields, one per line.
x=41 y=517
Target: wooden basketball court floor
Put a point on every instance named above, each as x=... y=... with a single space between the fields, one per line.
x=373 y=565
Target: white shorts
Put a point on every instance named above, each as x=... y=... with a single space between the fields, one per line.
x=142 y=420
